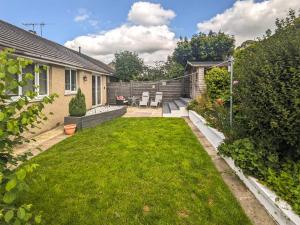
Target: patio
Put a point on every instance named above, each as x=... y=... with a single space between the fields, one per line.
x=143 y=112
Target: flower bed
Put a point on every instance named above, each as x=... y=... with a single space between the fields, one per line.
x=280 y=210
x=96 y=116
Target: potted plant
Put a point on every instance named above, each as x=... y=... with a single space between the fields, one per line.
x=77 y=108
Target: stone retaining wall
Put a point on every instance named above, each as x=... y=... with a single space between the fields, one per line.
x=95 y=119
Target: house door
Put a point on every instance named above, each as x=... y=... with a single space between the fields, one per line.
x=96 y=90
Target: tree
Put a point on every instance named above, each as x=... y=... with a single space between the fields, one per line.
x=204 y=47
x=16 y=118
x=128 y=65
x=183 y=52
x=173 y=69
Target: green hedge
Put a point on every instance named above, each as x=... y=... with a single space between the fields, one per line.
x=266 y=129
x=267 y=97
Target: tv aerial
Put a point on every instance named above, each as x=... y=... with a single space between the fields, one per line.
x=35 y=26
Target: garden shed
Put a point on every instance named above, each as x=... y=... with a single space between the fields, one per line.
x=194 y=82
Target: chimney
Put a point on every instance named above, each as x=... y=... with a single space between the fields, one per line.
x=79 y=50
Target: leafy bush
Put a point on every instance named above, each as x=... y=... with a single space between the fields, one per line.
x=280 y=176
x=218 y=84
x=267 y=110
x=77 y=106
x=16 y=118
x=268 y=96
x=215 y=113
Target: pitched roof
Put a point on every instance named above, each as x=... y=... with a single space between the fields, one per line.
x=207 y=63
x=28 y=44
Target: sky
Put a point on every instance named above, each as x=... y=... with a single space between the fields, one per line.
x=150 y=28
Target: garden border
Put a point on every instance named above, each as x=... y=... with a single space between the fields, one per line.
x=94 y=119
x=280 y=210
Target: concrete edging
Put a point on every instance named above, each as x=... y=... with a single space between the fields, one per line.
x=280 y=210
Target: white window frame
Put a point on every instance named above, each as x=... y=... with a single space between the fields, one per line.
x=36 y=83
x=69 y=92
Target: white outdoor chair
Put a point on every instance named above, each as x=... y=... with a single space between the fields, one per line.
x=158 y=99
x=145 y=99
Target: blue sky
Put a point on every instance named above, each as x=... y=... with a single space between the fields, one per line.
x=150 y=28
x=62 y=27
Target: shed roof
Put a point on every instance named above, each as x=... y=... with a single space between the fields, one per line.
x=31 y=45
x=207 y=63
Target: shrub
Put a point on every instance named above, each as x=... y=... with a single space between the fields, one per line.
x=281 y=176
x=77 y=106
x=268 y=95
x=218 y=84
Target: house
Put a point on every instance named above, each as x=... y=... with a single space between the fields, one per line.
x=194 y=82
x=67 y=71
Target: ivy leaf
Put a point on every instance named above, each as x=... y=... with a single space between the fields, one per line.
x=2 y=75
x=9 y=197
x=12 y=69
x=17 y=222
x=29 y=76
x=21 y=174
x=11 y=184
x=2 y=116
x=38 y=219
x=8 y=216
x=21 y=213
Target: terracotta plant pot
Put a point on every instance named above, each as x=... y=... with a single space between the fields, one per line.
x=70 y=129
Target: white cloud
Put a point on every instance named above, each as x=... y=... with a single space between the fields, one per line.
x=82 y=15
x=149 y=14
x=152 y=42
x=248 y=19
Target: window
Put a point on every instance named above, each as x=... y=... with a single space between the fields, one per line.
x=38 y=84
x=43 y=80
x=70 y=80
x=30 y=83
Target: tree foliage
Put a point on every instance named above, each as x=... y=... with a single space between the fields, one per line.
x=16 y=117
x=128 y=65
x=204 y=47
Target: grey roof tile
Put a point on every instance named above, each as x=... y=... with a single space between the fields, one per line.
x=31 y=45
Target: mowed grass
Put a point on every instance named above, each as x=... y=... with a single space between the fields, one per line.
x=132 y=171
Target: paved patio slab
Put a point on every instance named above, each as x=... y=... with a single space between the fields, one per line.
x=143 y=112
x=42 y=142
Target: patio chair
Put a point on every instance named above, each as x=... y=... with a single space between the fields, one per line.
x=158 y=99
x=145 y=99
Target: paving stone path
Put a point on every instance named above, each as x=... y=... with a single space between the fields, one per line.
x=43 y=141
x=254 y=210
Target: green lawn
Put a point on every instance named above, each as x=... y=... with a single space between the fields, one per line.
x=132 y=171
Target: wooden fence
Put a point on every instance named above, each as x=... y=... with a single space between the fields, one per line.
x=172 y=89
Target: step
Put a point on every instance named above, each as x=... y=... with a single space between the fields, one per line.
x=166 y=108
x=186 y=100
x=173 y=106
x=180 y=103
